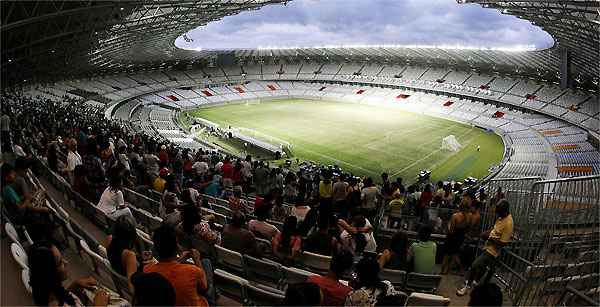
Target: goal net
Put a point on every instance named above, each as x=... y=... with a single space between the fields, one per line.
x=450 y=143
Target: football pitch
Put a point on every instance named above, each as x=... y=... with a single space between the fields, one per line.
x=366 y=140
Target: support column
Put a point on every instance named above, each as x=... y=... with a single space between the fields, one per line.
x=565 y=68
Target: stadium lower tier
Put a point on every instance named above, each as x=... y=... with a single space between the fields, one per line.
x=536 y=144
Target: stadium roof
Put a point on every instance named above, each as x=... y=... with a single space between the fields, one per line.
x=58 y=39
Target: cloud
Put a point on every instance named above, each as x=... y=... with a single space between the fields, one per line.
x=352 y=22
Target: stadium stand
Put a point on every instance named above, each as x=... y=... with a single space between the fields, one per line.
x=122 y=103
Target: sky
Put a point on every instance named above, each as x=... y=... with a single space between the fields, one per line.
x=311 y=23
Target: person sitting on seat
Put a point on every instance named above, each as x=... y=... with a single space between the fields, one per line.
x=322 y=241
x=238 y=239
x=369 y=288
x=395 y=257
x=287 y=244
x=121 y=250
x=357 y=237
x=151 y=289
x=303 y=294
x=20 y=211
x=334 y=292
x=422 y=253
x=47 y=272
x=188 y=280
x=260 y=227
x=193 y=225
x=112 y=202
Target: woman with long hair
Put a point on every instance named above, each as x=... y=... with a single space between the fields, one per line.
x=286 y=244
x=368 y=288
x=112 y=202
x=122 y=248
x=193 y=225
x=47 y=272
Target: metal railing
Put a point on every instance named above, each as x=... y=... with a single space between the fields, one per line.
x=517 y=191
x=556 y=237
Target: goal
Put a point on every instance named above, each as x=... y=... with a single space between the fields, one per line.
x=450 y=143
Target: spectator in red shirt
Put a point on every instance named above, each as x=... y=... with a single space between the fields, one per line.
x=163 y=156
x=334 y=292
x=227 y=169
x=425 y=199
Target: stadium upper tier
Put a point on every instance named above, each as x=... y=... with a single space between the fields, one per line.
x=551 y=142
x=63 y=39
x=578 y=107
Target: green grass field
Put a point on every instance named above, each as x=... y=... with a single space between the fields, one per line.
x=366 y=140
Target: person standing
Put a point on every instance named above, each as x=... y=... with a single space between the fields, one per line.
x=73 y=159
x=457 y=227
x=340 y=191
x=370 y=196
x=498 y=237
x=261 y=174
x=5 y=132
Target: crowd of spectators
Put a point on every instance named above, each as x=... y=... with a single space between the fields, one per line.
x=331 y=213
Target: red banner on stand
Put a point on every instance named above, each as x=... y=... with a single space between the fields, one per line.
x=172 y=97
x=207 y=93
x=272 y=87
x=239 y=89
x=448 y=103
x=360 y=92
x=402 y=96
x=530 y=96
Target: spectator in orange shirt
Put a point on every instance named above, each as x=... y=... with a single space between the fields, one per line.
x=188 y=280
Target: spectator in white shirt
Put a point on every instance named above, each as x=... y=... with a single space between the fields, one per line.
x=73 y=159
x=352 y=235
x=112 y=202
x=200 y=168
x=369 y=196
x=300 y=210
x=260 y=227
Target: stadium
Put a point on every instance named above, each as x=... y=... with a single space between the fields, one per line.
x=131 y=158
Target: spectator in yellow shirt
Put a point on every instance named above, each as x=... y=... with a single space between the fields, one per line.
x=160 y=182
x=497 y=238
x=325 y=192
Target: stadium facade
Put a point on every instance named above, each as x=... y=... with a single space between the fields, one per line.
x=56 y=40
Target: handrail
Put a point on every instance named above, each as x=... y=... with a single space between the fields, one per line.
x=579 y=178
x=527 y=262
x=588 y=300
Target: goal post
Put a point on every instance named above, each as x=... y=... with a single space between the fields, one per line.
x=450 y=143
